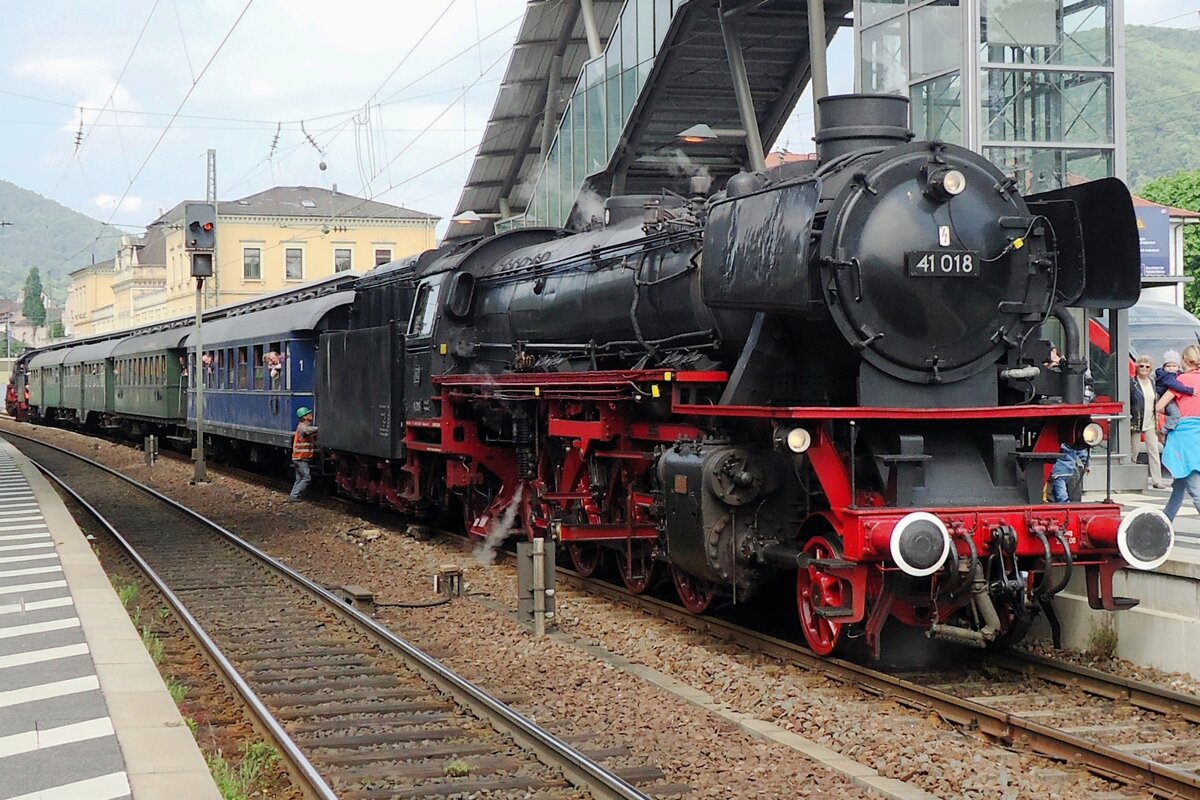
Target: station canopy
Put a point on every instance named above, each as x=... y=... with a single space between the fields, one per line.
x=663 y=70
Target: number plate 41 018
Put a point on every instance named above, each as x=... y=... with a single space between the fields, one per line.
x=942 y=263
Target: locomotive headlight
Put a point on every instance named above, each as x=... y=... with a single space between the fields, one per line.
x=1092 y=434
x=797 y=440
x=945 y=183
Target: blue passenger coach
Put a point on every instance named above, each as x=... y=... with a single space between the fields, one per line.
x=259 y=369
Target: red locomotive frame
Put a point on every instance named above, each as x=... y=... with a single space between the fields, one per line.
x=596 y=415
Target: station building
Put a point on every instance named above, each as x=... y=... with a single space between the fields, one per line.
x=266 y=242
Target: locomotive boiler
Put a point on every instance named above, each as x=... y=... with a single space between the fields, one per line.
x=838 y=372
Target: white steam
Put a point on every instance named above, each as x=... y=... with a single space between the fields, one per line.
x=499 y=530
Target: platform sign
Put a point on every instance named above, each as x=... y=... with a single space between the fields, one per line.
x=1154 y=238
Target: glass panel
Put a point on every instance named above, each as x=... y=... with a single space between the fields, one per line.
x=936 y=39
x=597 y=144
x=382 y=256
x=566 y=179
x=341 y=259
x=1087 y=34
x=645 y=38
x=875 y=10
x=243 y=369
x=579 y=149
x=293 y=263
x=613 y=118
x=1047 y=106
x=424 y=309
x=937 y=109
x=883 y=58
x=662 y=21
x=1021 y=23
x=629 y=35
x=1038 y=169
x=629 y=58
x=1044 y=32
x=553 y=190
x=252 y=263
x=257 y=379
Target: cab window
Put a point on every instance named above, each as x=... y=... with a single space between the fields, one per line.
x=424 y=310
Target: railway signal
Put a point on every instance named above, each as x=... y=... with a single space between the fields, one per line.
x=200 y=237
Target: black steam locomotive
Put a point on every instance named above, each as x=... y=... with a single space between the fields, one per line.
x=840 y=371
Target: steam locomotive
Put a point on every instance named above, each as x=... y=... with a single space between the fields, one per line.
x=839 y=372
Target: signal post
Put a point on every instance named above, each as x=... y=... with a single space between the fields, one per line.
x=200 y=237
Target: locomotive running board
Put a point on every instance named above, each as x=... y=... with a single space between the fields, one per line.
x=616 y=532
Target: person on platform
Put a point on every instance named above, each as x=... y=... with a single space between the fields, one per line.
x=1182 y=452
x=1165 y=379
x=304 y=450
x=1143 y=420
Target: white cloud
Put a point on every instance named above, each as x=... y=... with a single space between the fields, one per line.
x=109 y=202
x=63 y=72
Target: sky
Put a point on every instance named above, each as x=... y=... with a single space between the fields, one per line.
x=110 y=108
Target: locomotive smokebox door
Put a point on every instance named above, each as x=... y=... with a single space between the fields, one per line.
x=756 y=248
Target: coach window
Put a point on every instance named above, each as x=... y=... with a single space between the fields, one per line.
x=252 y=263
x=293 y=264
x=273 y=363
x=258 y=380
x=219 y=383
x=243 y=367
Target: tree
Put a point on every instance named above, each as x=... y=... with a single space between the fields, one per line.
x=33 y=308
x=1182 y=190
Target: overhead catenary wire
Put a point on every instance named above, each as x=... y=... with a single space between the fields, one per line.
x=166 y=128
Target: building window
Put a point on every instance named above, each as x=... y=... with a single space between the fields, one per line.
x=342 y=259
x=382 y=256
x=252 y=263
x=293 y=264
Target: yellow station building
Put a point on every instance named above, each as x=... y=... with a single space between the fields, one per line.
x=267 y=242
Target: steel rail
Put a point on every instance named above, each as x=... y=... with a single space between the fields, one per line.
x=582 y=771
x=1099 y=758
x=300 y=765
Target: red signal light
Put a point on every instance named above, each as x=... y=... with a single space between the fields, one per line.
x=208 y=226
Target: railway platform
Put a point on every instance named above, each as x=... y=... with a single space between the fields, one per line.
x=83 y=710
x=1163 y=630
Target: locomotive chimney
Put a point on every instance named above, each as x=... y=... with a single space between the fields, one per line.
x=849 y=122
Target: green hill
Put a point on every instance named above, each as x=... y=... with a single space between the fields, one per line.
x=48 y=236
x=1162 y=87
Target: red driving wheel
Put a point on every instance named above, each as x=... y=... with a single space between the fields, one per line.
x=695 y=594
x=816 y=590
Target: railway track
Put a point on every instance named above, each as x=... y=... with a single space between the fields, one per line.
x=1137 y=734
x=355 y=711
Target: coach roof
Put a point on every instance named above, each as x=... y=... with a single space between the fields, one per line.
x=277 y=322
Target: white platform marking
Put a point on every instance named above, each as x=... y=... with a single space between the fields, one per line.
x=17 y=588
x=27 y=557
x=29 y=741
x=106 y=787
x=36 y=605
x=39 y=627
x=46 y=691
x=8 y=548
x=12 y=573
x=40 y=656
